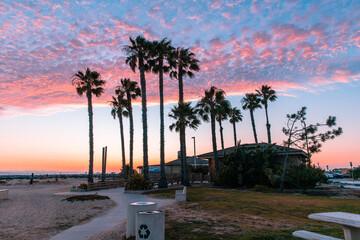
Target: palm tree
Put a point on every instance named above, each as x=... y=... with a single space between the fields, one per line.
x=160 y=52
x=132 y=91
x=235 y=116
x=186 y=116
x=267 y=94
x=119 y=103
x=251 y=101
x=185 y=63
x=209 y=105
x=222 y=113
x=89 y=83
x=137 y=56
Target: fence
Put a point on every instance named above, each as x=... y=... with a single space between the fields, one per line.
x=105 y=184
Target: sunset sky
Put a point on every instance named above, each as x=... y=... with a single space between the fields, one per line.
x=308 y=51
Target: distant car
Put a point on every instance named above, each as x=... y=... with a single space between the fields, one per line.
x=329 y=175
x=337 y=175
x=346 y=175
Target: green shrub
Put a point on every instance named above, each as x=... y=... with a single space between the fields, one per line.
x=138 y=182
x=82 y=186
x=304 y=177
x=261 y=188
x=249 y=168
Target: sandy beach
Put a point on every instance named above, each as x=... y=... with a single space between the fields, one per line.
x=34 y=212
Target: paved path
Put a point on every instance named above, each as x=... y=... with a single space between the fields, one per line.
x=114 y=217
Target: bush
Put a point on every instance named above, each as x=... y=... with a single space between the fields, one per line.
x=249 y=168
x=138 y=182
x=261 y=188
x=199 y=169
x=304 y=177
x=82 y=186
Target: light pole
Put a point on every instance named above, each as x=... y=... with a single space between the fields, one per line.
x=194 y=152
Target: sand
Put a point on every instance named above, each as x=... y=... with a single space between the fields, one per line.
x=34 y=212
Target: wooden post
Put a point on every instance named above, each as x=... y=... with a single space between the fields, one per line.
x=104 y=155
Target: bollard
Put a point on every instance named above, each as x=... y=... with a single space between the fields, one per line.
x=180 y=195
x=150 y=225
x=132 y=209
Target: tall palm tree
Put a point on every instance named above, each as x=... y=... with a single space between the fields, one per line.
x=119 y=104
x=132 y=91
x=161 y=54
x=185 y=63
x=235 y=116
x=222 y=113
x=185 y=115
x=209 y=105
x=267 y=94
x=89 y=83
x=137 y=56
x=251 y=101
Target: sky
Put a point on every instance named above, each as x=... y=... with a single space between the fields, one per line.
x=308 y=51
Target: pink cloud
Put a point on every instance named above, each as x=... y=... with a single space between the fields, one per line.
x=261 y=38
x=286 y=34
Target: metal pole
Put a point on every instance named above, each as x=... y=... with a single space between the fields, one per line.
x=194 y=152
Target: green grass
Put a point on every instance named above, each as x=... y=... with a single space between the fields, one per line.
x=234 y=214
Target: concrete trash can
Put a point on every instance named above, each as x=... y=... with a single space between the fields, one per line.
x=132 y=209
x=150 y=225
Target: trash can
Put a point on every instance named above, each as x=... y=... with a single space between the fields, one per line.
x=132 y=209
x=150 y=225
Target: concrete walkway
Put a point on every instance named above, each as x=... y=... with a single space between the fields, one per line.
x=114 y=217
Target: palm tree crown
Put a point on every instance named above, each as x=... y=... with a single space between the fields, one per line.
x=88 y=83
x=188 y=113
x=185 y=63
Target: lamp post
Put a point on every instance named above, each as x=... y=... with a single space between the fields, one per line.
x=194 y=152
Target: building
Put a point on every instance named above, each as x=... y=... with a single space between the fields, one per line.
x=175 y=165
x=296 y=156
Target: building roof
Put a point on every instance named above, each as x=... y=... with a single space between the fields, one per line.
x=280 y=150
x=189 y=161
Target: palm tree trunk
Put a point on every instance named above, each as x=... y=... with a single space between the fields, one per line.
x=267 y=125
x=253 y=125
x=234 y=127
x=181 y=88
x=144 y=117
x=122 y=144
x=182 y=130
x=181 y=158
x=131 y=123
x=213 y=133
x=221 y=136
x=184 y=162
x=91 y=138
x=162 y=181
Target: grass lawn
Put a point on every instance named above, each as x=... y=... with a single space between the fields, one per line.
x=211 y=213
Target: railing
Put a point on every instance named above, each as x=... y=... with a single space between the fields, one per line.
x=105 y=184
x=176 y=179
